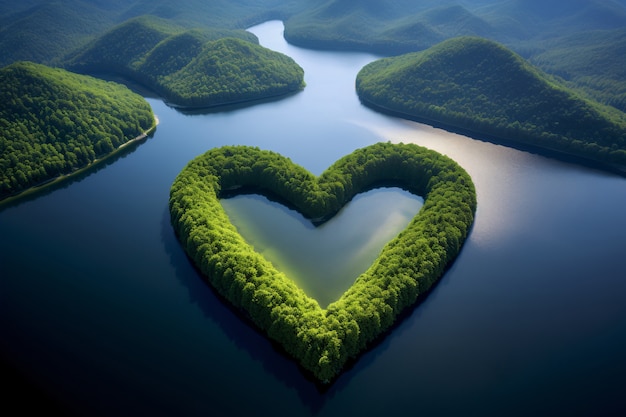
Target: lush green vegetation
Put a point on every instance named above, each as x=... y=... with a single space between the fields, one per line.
x=580 y=40
x=483 y=87
x=192 y=68
x=385 y=27
x=53 y=122
x=539 y=19
x=322 y=341
x=592 y=62
x=45 y=31
x=231 y=70
x=122 y=48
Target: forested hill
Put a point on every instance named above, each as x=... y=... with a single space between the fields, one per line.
x=43 y=31
x=581 y=41
x=53 y=122
x=385 y=27
x=592 y=62
x=190 y=68
x=482 y=87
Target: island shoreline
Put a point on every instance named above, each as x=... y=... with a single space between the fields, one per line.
x=552 y=153
x=61 y=178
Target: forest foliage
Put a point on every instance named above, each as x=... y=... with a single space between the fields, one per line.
x=591 y=62
x=581 y=40
x=191 y=68
x=386 y=28
x=482 y=87
x=323 y=341
x=44 y=31
x=53 y=122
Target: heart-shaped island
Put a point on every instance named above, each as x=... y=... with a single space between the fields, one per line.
x=323 y=340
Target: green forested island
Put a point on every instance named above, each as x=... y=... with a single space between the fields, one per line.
x=323 y=341
x=190 y=68
x=53 y=122
x=482 y=87
x=466 y=64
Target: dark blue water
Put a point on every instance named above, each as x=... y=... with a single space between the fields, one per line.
x=100 y=307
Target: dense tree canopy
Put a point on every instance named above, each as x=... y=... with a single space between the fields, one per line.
x=385 y=27
x=482 y=87
x=231 y=70
x=582 y=41
x=592 y=62
x=53 y=122
x=191 y=68
x=323 y=341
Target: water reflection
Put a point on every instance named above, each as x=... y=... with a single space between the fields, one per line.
x=323 y=260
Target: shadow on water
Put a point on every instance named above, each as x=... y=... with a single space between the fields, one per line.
x=272 y=357
x=147 y=92
x=235 y=327
x=228 y=108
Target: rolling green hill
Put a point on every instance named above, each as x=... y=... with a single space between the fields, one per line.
x=583 y=38
x=385 y=27
x=45 y=31
x=347 y=27
x=121 y=49
x=53 y=122
x=231 y=14
x=160 y=61
x=591 y=61
x=540 y=19
x=191 y=68
x=482 y=87
x=231 y=70
x=547 y=33
x=48 y=30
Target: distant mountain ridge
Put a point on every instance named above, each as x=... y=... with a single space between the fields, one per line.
x=592 y=62
x=363 y=24
x=43 y=31
x=370 y=26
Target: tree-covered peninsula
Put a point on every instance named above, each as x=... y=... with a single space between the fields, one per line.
x=190 y=68
x=323 y=341
x=483 y=88
x=53 y=122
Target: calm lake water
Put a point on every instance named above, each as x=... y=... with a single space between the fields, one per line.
x=324 y=260
x=101 y=308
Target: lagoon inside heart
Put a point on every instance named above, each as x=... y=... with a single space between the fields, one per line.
x=324 y=260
